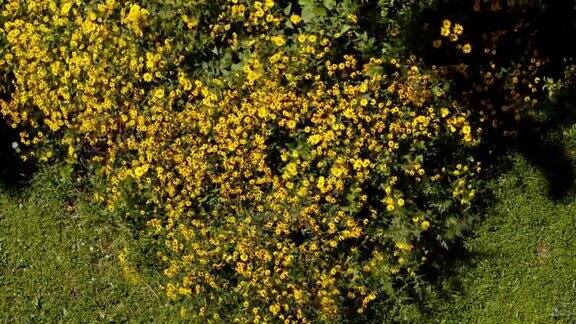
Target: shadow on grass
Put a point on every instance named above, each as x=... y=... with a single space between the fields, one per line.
x=542 y=145
x=541 y=141
x=538 y=136
x=445 y=272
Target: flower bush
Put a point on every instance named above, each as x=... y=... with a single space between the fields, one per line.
x=511 y=64
x=289 y=161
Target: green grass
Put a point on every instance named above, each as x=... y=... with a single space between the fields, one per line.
x=522 y=263
x=58 y=261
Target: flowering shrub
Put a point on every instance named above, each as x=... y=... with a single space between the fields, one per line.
x=290 y=164
x=512 y=60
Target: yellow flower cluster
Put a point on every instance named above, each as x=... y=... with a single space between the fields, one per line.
x=278 y=188
x=506 y=78
x=453 y=32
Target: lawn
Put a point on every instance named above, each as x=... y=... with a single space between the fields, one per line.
x=58 y=260
x=520 y=262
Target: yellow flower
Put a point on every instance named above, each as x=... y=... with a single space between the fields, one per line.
x=315 y=139
x=467 y=48
x=134 y=14
x=295 y=19
x=274 y=309
x=140 y=171
x=110 y=4
x=71 y=153
x=352 y=18
x=190 y=22
x=425 y=225
x=134 y=18
x=66 y=8
x=269 y=3
x=278 y=40
x=404 y=246
x=458 y=29
x=290 y=171
x=445 y=31
x=321 y=184
x=147 y=77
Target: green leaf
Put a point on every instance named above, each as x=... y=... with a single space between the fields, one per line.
x=311 y=10
x=288 y=9
x=349 y=6
x=343 y=30
x=329 y=4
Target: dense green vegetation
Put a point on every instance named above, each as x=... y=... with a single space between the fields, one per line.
x=518 y=265
x=287 y=160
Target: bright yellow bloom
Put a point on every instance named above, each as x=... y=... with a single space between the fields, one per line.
x=140 y=171
x=425 y=225
x=66 y=8
x=458 y=29
x=295 y=19
x=445 y=31
x=444 y=112
x=134 y=18
x=278 y=40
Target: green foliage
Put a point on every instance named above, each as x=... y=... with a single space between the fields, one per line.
x=278 y=160
x=519 y=269
x=288 y=162
x=283 y=160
